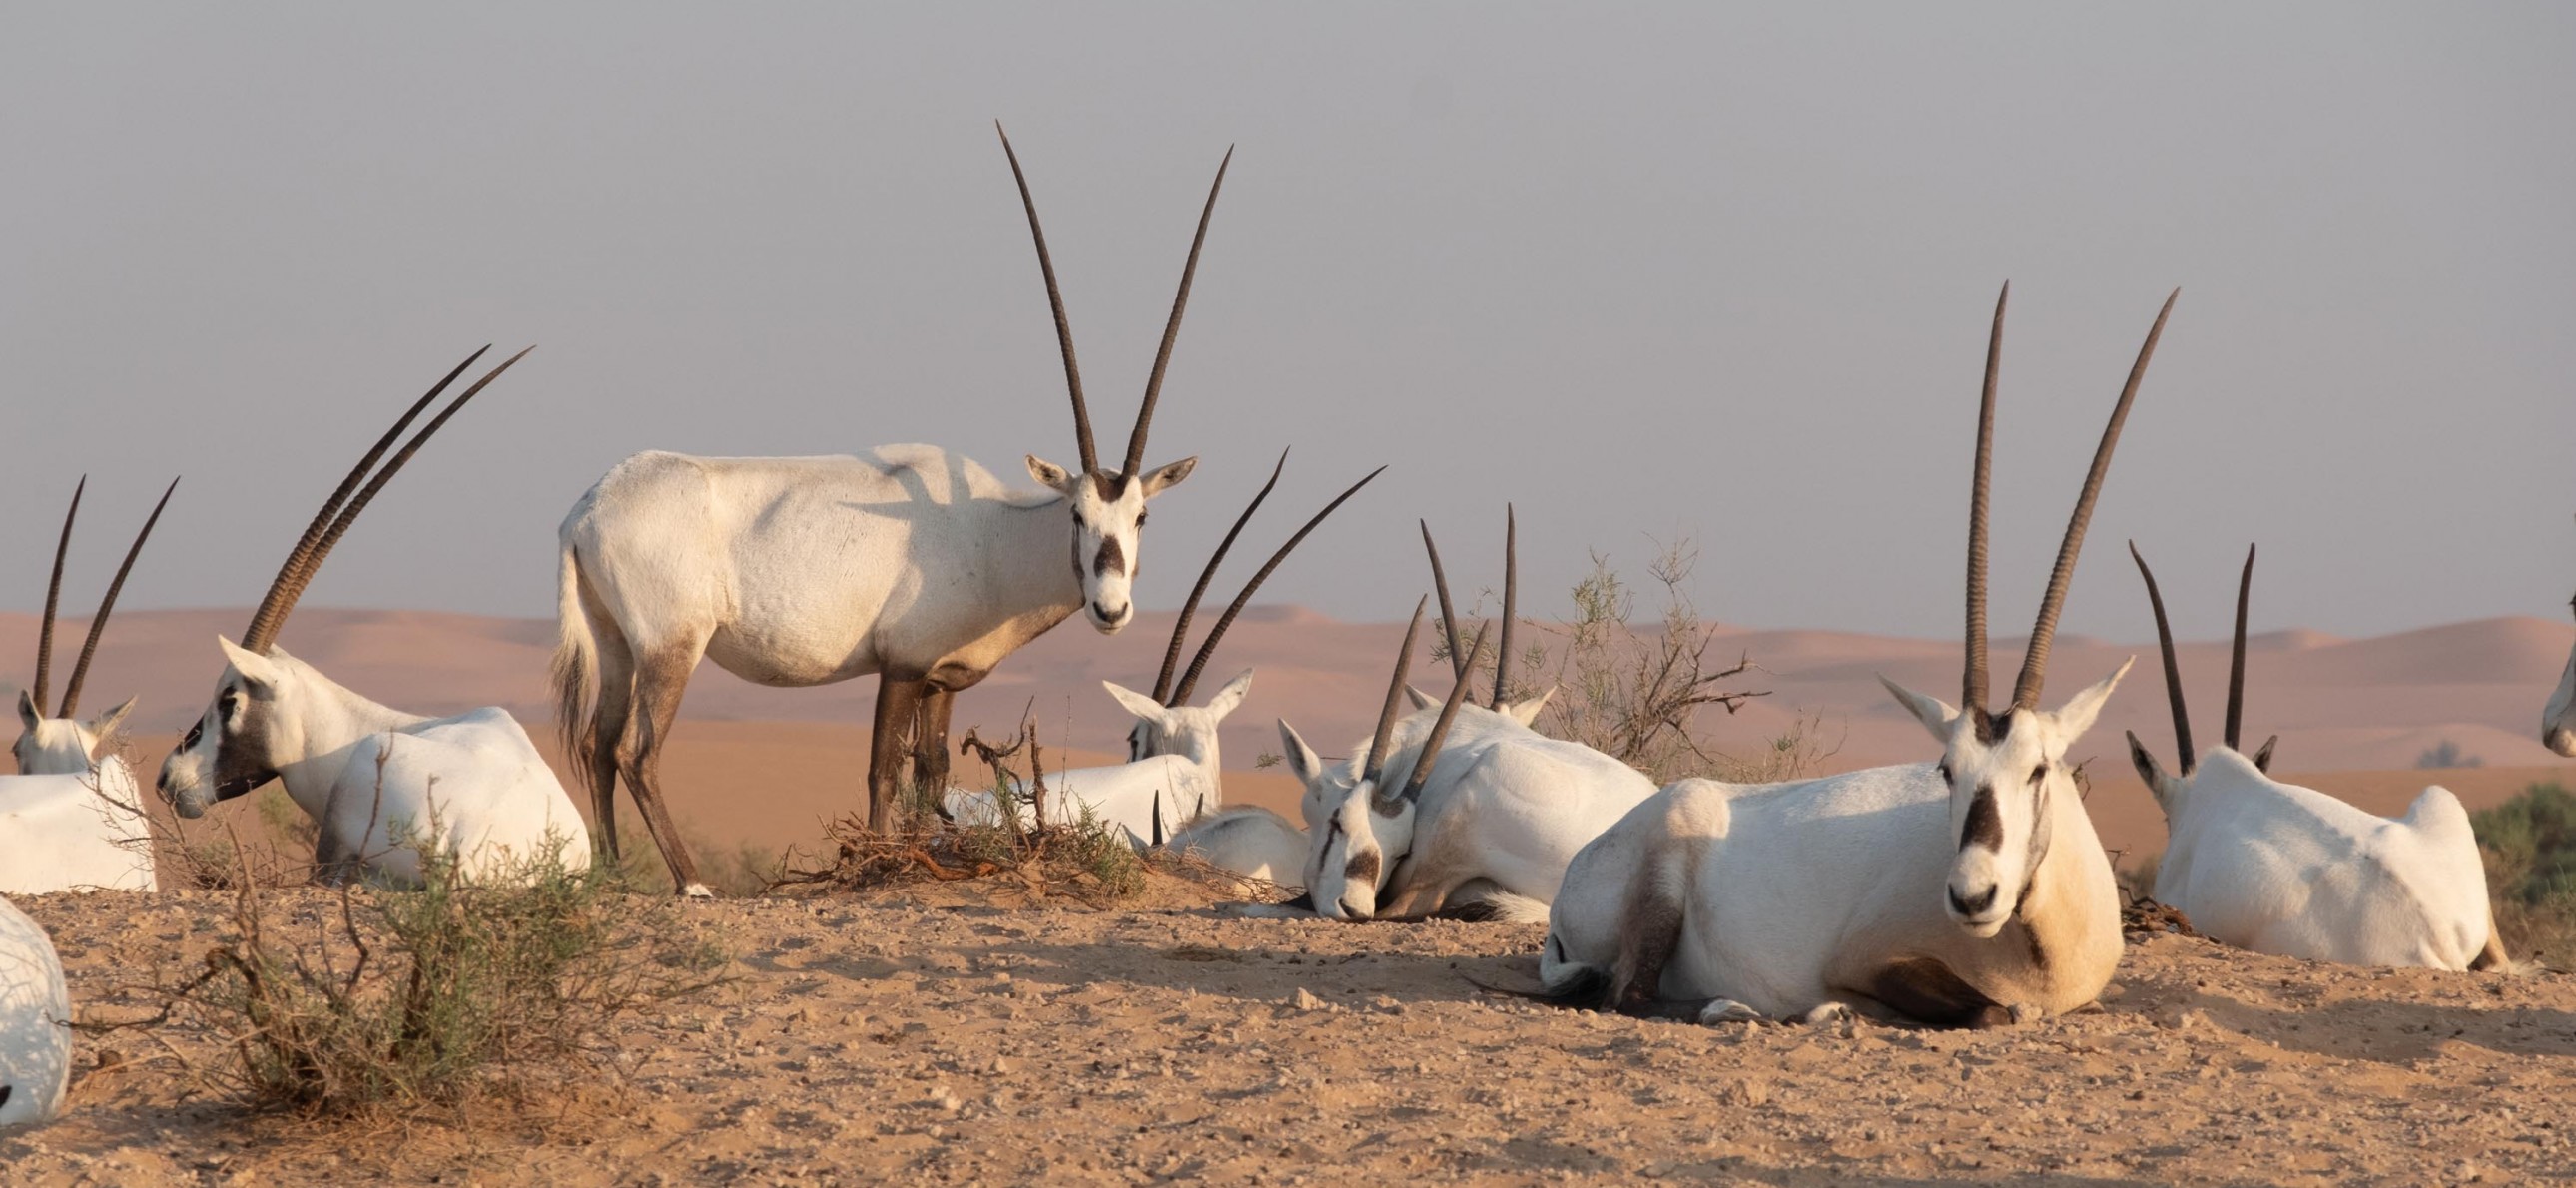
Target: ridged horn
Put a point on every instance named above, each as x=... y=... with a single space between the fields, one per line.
x=1448 y=614
x=1172 y=329
x=1972 y=684
x=315 y=548
x=2236 y=655
x=267 y=618
x=2173 y=667
x=1385 y=733
x=1181 y=625
x=1207 y=647
x=53 y=599
x=2034 y=663
x=1055 y=302
x=1511 y=602
x=98 y=622
x=1432 y=742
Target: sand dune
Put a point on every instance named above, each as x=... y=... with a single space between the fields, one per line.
x=763 y=765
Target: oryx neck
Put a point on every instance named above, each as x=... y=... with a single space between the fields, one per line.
x=333 y=720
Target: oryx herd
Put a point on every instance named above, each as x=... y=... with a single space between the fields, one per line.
x=1967 y=890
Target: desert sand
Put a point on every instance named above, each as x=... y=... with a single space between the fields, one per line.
x=928 y=1041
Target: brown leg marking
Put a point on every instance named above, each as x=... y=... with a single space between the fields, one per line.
x=659 y=683
x=608 y=724
x=897 y=697
x=930 y=740
x=1926 y=991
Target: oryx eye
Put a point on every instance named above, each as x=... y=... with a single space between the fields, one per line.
x=2038 y=773
x=1141 y=517
x=1946 y=777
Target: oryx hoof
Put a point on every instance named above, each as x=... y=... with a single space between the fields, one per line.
x=1829 y=1013
x=1727 y=1010
x=697 y=891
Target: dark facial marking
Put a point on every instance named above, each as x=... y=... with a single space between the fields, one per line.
x=1362 y=869
x=1985 y=822
x=1112 y=557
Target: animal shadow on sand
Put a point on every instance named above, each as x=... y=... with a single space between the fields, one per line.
x=1263 y=975
x=2396 y=1032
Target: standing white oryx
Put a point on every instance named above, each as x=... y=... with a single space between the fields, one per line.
x=373 y=778
x=2281 y=869
x=35 y=1024
x=908 y=561
x=73 y=817
x=1972 y=891
x=1488 y=814
x=1174 y=764
x=2558 y=719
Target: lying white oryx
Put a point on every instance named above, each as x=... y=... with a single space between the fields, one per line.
x=909 y=561
x=35 y=1024
x=1173 y=762
x=373 y=778
x=2558 y=719
x=1483 y=828
x=2281 y=869
x=1248 y=840
x=1972 y=891
x=73 y=817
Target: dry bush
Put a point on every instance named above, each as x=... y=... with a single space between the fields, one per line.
x=1076 y=853
x=1636 y=694
x=399 y=999
x=2529 y=843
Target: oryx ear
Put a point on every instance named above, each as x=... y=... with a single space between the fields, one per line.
x=1420 y=699
x=1526 y=710
x=1303 y=762
x=103 y=727
x=259 y=670
x=27 y=709
x=1051 y=476
x=1225 y=699
x=1137 y=703
x=1165 y=478
x=2263 y=755
x=2148 y=769
x=1935 y=714
x=2076 y=716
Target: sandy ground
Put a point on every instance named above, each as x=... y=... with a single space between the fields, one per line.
x=888 y=1041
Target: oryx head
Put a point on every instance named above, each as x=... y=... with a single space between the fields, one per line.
x=2163 y=785
x=1182 y=731
x=1109 y=506
x=1150 y=736
x=266 y=699
x=1359 y=824
x=59 y=742
x=2558 y=721
x=2007 y=770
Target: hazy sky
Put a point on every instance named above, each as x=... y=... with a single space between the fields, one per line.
x=1645 y=271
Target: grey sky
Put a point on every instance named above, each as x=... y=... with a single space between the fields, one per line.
x=1645 y=271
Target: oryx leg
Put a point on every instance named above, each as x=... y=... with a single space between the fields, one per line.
x=660 y=680
x=616 y=703
x=930 y=740
x=898 y=697
x=1926 y=991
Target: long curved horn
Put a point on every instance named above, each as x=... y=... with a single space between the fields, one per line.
x=1448 y=615
x=2173 y=667
x=265 y=621
x=1207 y=647
x=98 y=622
x=1511 y=600
x=1394 y=697
x=1172 y=329
x=53 y=598
x=292 y=580
x=2236 y=654
x=1055 y=301
x=1181 y=625
x=1972 y=685
x=1431 y=743
x=2034 y=662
